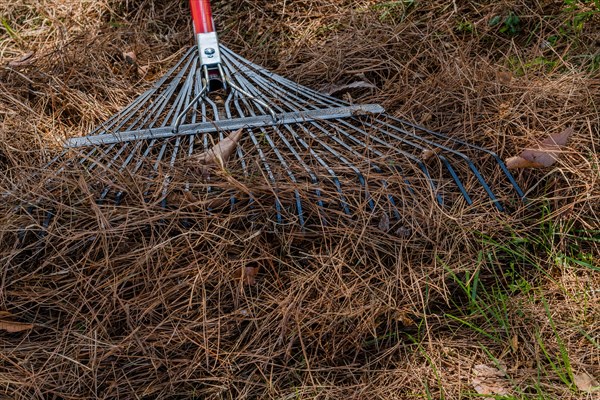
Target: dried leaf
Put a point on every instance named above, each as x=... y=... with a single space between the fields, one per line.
x=247 y=274
x=219 y=154
x=429 y=153
x=334 y=89
x=222 y=151
x=384 y=223
x=426 y=118
x=489 y=380
x=520 y=162
x=24 y=60
x=586 y=382
x=130 y=57
x=546 y=153
x=403 y=231
x=404 y=318
x=8 y=324
x=504 y=77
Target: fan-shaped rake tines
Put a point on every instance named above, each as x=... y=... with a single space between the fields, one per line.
x=310 y=156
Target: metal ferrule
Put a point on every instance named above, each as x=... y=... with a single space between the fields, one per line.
x=208 y=45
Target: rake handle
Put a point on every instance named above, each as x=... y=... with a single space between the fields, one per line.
x=202 y=16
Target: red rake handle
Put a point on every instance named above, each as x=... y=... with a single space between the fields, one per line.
x=202 y=16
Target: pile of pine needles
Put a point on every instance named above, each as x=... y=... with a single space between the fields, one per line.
x=138 y=301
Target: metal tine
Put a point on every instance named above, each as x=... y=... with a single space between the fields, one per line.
x=143 y=98
x=205 y=137
x=157 y=110
x=491 y=153
x=233 y=71
x=216 y=116
x=181 y=104
x=129 y=158
x=180 y=101
x=29 y=209
x=248 y=106
x=289 y=98
x=328 y=101
x=167 y=179
x=152 y=115
x=455 y=177
x=419 y=162
x=160 y=106
x=296 y=136
x=247 y=85
x=145 y=120
x=331 y=101
x=239 y=150
x=138 y=165
x=251 y=89
x=289 y=95
x=335 y=179
x=192 y=138
x=476 y=172
x=164 y=93
x=252 y=68
x=119 y=195
x=123 y=117
x=190 y=150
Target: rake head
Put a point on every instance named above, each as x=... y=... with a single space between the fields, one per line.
x=309 y=155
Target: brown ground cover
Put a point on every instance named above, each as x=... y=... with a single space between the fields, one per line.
x=124 y=302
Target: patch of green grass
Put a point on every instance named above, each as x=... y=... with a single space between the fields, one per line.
x=509 y=24
x=9 y=30
x=332 y=27
x=559 y=363
x=537 y=64
x=581 y=12
x=433 y=367
x=484 y=300
x=465 y=27
x=393 y=11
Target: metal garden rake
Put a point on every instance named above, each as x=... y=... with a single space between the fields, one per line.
x=334 y=155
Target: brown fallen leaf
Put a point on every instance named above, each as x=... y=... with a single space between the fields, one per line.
x=546 y=153
x=586 y=383
x=404 y=318
x=8 y=324
x=384 y=223
x=218 y=155
x=222 y=151
x=334 y=89
x=426 y=118
x=22 y=61
x=130 y=57
x=247 y=274
x=504 y=77
x=429 y=153
x=403 y=231
x=489 y=380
